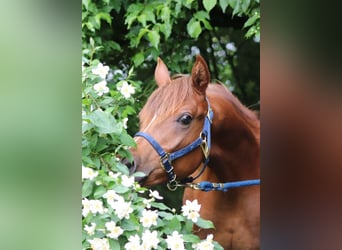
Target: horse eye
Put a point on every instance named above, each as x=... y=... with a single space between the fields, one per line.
x=185 y=119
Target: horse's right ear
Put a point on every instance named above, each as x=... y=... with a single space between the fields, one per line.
x=161 y=73
x=200 y=74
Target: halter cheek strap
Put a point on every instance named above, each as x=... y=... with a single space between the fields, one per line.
x=166 y=159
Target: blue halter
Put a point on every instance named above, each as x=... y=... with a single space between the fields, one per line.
x=204 y=142
x=166 y=159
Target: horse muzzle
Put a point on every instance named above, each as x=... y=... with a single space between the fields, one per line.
x=132 y=167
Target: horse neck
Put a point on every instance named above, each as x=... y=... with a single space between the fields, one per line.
x=235 y=143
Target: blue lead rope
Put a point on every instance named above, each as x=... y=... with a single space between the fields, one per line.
x=210 y=186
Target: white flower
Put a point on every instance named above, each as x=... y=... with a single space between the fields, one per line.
x=122 y=209
x=193 y=216
x=99 y=244
x=114 y=176
x=100 y=70
x=90 y=229
x=101 y=88
x=207 y=244
x=231 y=47
x=114 y=231
x=149 y=218
x=155 y=194
x=118 y=72
x=124 y=122
x=111 y=195
x=191 y=210
x=86 y=207
x=127 y=181
x=175 y=241
x=150 y=239
x=88 y=173
x=96 y=206
x=133 y=243
x=147 y=202
x=127 y=90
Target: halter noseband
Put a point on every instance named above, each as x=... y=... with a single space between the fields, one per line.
x=166 y=159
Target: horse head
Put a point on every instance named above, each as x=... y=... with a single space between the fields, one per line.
x=172 y=118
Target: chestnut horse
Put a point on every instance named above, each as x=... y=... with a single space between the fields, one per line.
x=203 y=124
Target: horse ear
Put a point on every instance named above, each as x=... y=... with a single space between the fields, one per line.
x=200 y=74
x=161 y=73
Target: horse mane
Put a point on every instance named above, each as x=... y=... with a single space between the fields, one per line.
x=167 y=99
x=250 y=117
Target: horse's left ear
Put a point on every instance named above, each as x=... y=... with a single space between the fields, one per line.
x=200 y=74
x=161 y=73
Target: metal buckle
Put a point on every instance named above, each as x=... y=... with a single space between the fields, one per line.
x=208 y=115
x=193 y=186
x=164 y=158
x=204 y=146
x=218 y=186
x=172 y=186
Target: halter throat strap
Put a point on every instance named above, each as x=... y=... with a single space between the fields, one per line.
x=166 y=159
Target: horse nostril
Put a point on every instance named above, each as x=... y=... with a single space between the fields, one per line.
x=130 y=165
x=132 y=168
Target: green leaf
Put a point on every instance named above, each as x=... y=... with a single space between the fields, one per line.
x=99 y=192
x=127 y=140
x=200 y=15
x=87 y=188
x=139 y=174
x=191 y=238
x=237 y=8
x=232 y=3
x=251 y=32
x=93 y=141
x=86 y=3
x=114 y=244
x=112 y=45
x=101 y=145
x=206 y=224
x=244 y=5
x=166 y=28
x=217 y=246
x=142 y=19
x=194 y=28
x=138 y=58
x=148 y=12
x=129 y=110
x=160 y=206
x=165 y=13
x=224 y=4
x=165 y=215
x=104 y=16
x=130 y=225
x=104 y=122
x=174 y=225
x=154 y=38
x=207 y=24
x=250 y=21
x=121 y=189
x=186 y=3
x=209 y=4
x=116 y=5
x=122 y=168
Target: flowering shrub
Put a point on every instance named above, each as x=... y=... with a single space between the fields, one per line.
x=117 y=212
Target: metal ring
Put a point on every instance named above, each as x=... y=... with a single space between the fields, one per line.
x=172 y=186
